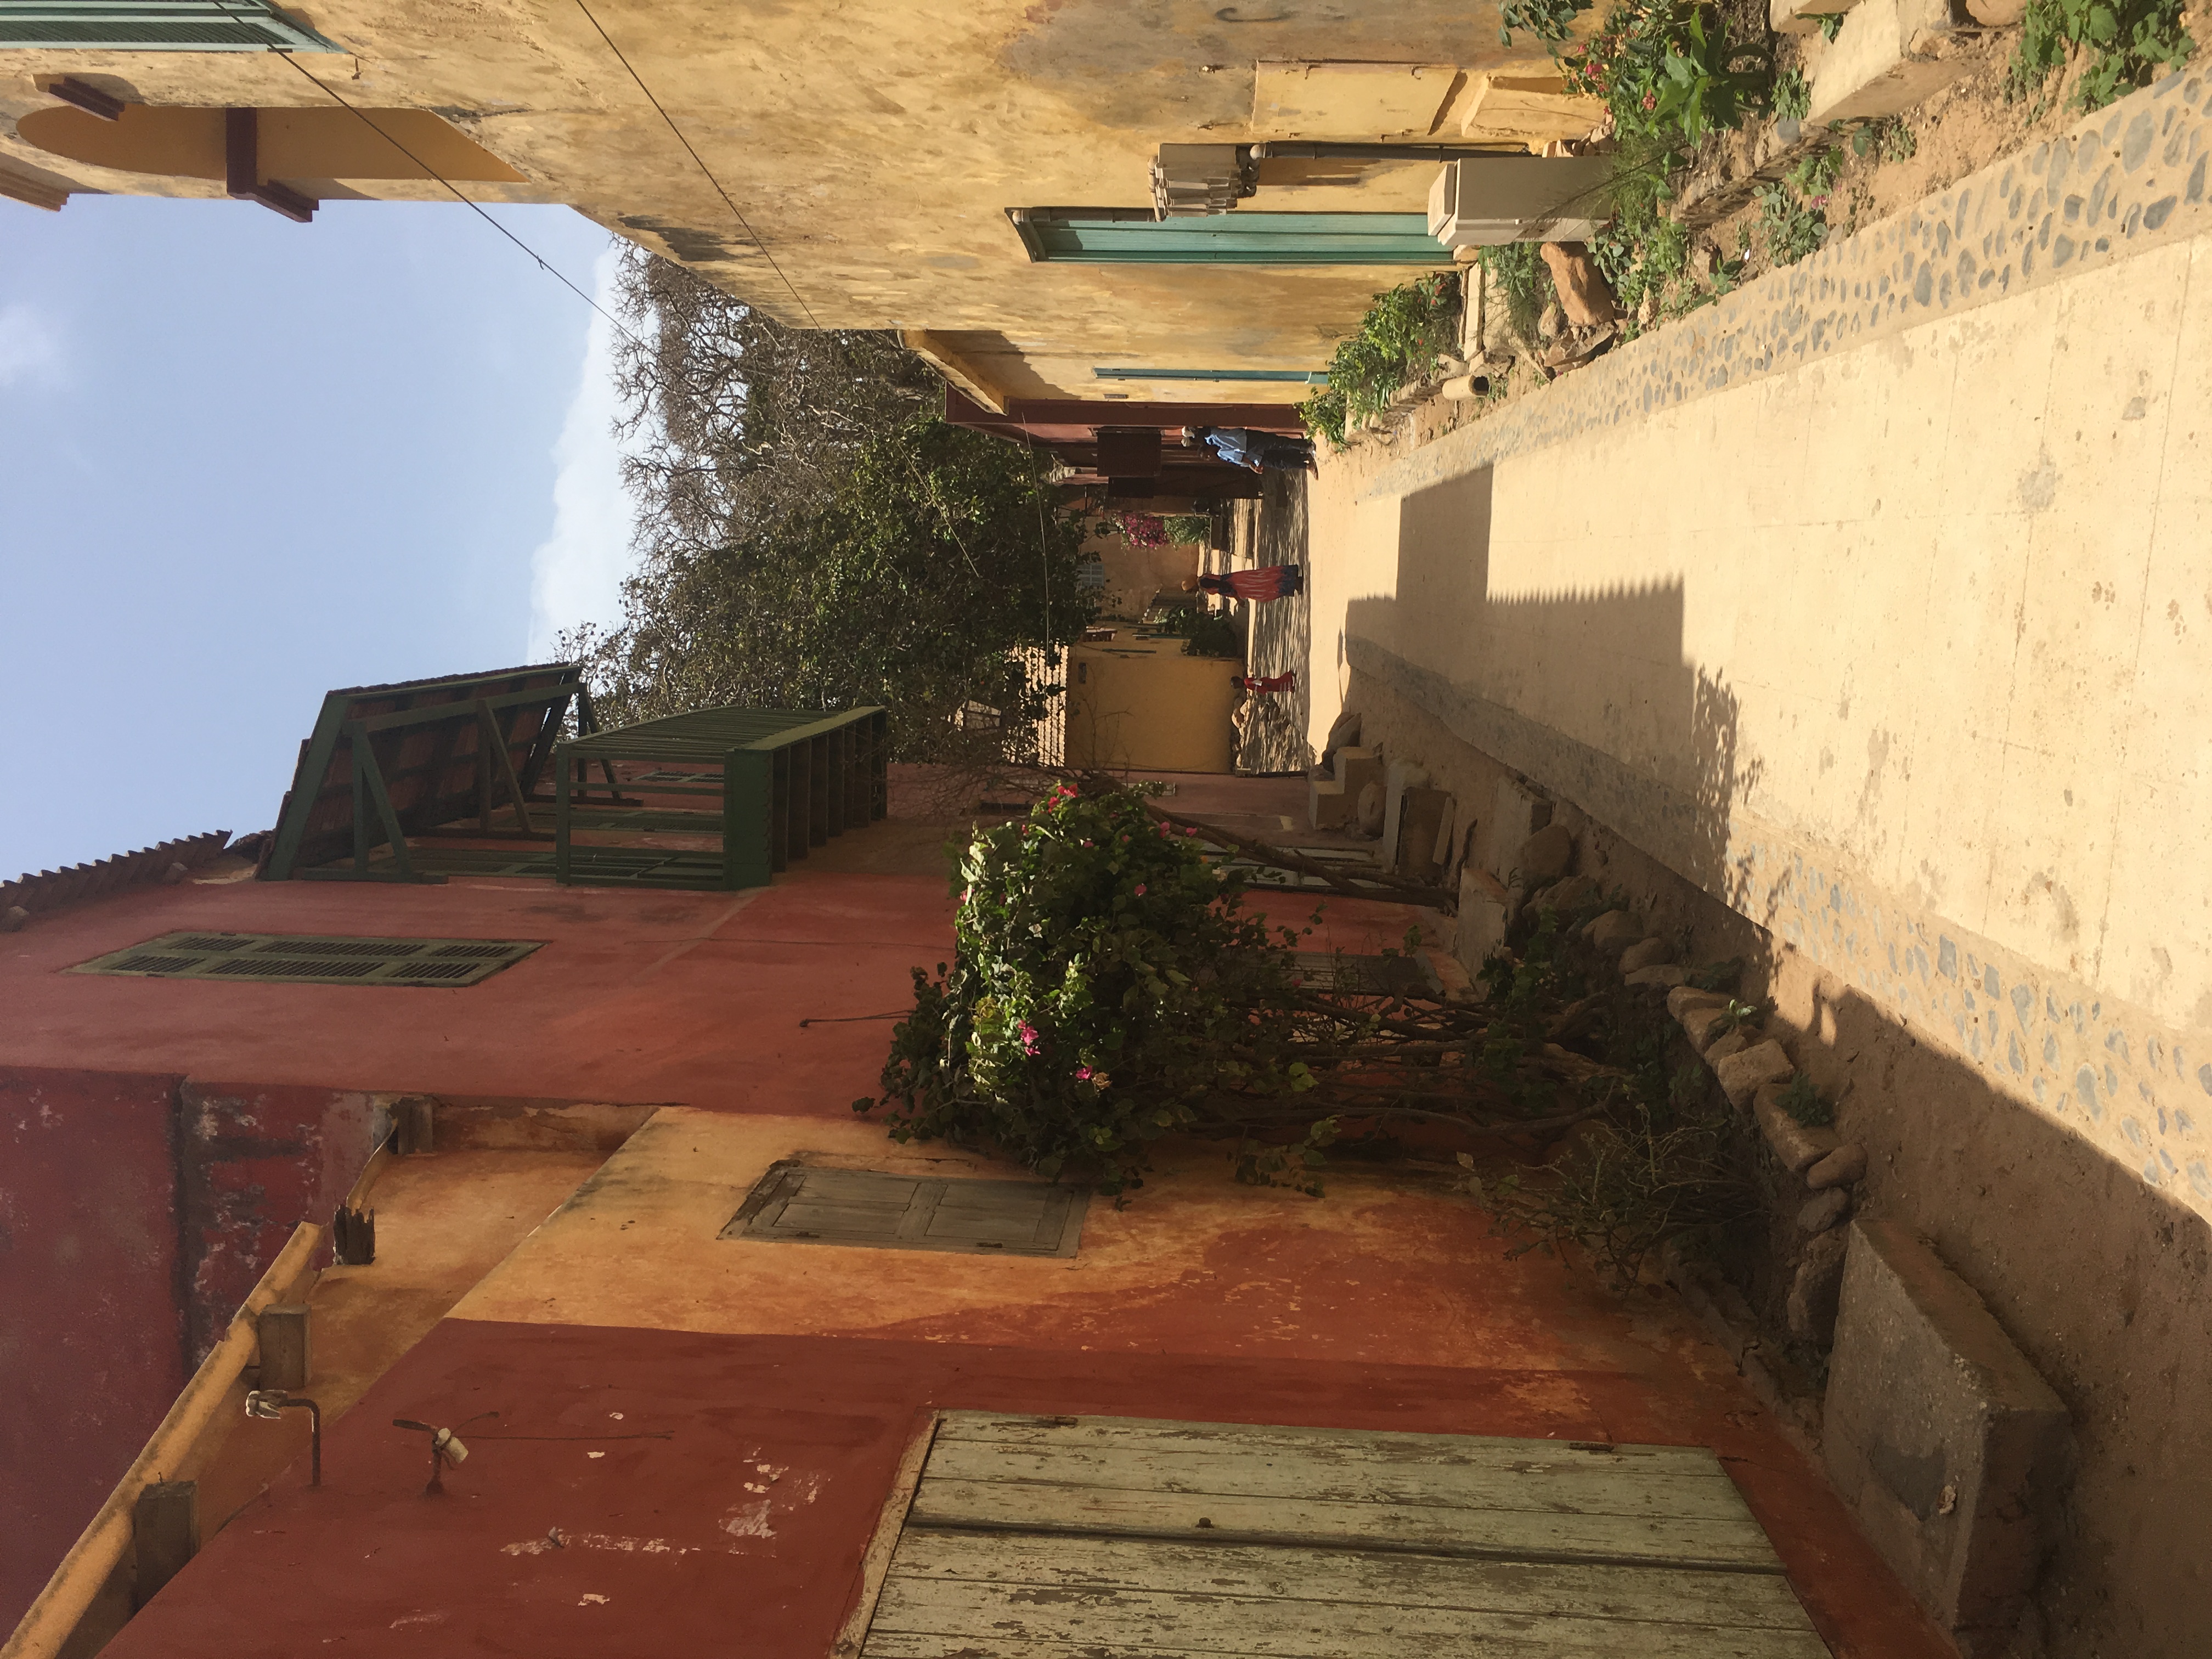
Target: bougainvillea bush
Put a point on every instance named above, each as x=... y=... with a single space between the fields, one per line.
x=1110 y=988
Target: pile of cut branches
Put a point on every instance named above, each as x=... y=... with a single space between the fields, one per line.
x=1111 y=988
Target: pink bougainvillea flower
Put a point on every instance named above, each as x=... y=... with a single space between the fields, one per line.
x=1141 y=890
x=1083 y=1074
x=1029 y=1038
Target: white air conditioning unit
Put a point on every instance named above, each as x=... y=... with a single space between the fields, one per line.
x=1485 y=201
x=1189 y=180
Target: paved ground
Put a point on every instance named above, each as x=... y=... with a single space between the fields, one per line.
x=1874 y=602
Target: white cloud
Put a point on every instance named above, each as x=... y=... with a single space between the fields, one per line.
x=30 y=348
x=576 y=573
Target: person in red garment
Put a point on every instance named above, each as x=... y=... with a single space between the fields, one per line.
x=1269 y=582
x=1269 y=682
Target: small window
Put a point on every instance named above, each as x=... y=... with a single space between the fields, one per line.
x=310 y=959
x=793 y=1204
x=156 y=26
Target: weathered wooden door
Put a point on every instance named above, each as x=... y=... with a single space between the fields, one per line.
x=1046 y=1538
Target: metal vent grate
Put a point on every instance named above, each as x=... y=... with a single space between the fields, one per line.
x=1367 y=976
x=286 y=958
x=867 y=1208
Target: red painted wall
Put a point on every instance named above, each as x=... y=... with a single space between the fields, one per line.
x=91 y=1331
x=137 y=1211
x=737 y=1480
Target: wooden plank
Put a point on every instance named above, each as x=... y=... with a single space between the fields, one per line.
x=1344 y=1447
x=883 y=1545
x=1091 y=1567
x=1593 y=1486
x=1264 y=1627
x=1520 y=1534
x=1534 y=1644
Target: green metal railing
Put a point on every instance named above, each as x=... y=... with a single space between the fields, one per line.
x=791 y=779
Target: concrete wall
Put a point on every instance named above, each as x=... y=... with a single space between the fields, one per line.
x=92 y=1330
x=1873 y=602
x=873 y=149
x=1142 y=704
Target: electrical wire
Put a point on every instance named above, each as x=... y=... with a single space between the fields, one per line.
x=699 y=161
x=361 y=115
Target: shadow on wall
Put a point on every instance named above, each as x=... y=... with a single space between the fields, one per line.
x=2103 y=1282
x=1529 y=669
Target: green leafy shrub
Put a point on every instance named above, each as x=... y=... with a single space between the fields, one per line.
x=1670 y=69
x=2128 y=41
x=1793 y=97
x=1805 y=1104
x=1550 y=20
x=1792 y=229
x=1108 y=983
x=1889 y=140
x=1205 y=633
x=1187 y=526
x=1398 y=340
x=1520 y=270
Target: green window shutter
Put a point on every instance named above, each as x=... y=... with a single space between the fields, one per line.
x=156 y=26
x=311 y=959
x=1241 y=238
x=875 y=1210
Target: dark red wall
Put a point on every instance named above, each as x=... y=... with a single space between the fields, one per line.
x=91 y=1326
x=137 y=1211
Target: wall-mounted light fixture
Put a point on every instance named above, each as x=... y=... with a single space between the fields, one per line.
x=445 y=1447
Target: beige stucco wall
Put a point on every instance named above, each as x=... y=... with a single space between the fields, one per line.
x=1142 y=705
x=1134 y=574
x=873 y=149
x=1873 y=601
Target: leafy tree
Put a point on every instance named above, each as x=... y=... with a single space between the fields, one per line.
x=812 y=534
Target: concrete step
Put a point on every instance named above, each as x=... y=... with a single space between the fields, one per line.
x=1334 y=802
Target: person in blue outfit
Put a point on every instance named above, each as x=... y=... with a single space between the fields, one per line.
x=1241 y=445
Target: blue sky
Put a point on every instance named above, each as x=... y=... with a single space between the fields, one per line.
x=244 y=461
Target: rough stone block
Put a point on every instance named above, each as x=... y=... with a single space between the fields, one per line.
x=1485 y=910
x=1679 y=1001
x=1811 y=1307
x=1889 y=55
x=1801 y=16
x=1545 y=856
x=1947 y=1445
x=1646 y=953
x=1702 y=1023
x=1796 y=1146
x=1742 y=1075
x=1369 y=819
x=1400 y=777
x=1613 y=932
x=1817 y=1215
x=1566 y=895
x=1421 y=823
x=1664 y=973
x=1839 y=1169
x=1515 y=813
x=1731 y=1042
x=1332 y=802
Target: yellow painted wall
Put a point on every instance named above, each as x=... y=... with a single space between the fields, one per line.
x=872 y=148
x=1142 y=705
